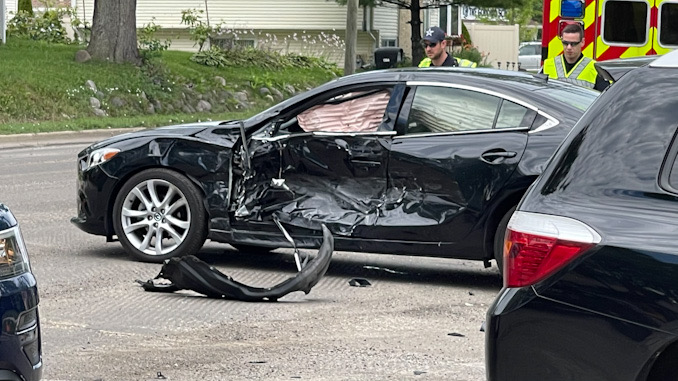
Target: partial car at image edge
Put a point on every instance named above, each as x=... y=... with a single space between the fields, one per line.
x=20 y=336
x=591 y=261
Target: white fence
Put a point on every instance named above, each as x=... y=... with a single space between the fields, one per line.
x=499 y=41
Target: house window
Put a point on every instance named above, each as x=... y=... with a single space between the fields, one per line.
x=232 y=43
x=388 y=43
x=625 y=22
x=668 y=24
x=449 y=19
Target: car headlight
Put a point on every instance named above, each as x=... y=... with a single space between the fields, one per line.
x=98 y=157
x=13 y=254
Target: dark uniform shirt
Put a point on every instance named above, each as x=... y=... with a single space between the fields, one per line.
x=449 y=61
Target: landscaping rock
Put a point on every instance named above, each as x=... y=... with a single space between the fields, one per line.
x=242 y=105
x=290 y=89
x=269 y=98
x=99 y=112
x=241 y=96
x=117 y=102
x=91 y=85
x=150 y=109
x=95 y=103
x=100 y=94
x=203 y=105
x=82 y=56
x=277 y=94
x=221 y=80
x=264 y=91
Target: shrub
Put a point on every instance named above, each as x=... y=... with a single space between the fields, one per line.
x=472 y=53
x=46 y=27
x=149 y=45
x=200 y=31
x=211 y=57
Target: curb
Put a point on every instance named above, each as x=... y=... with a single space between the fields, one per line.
x=43 y=139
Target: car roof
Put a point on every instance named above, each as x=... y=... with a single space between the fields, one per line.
x=513 y=82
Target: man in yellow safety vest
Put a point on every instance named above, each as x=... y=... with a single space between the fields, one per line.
x=572 y=66
x=435 y=46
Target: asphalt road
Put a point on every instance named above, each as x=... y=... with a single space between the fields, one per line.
x=419 y=320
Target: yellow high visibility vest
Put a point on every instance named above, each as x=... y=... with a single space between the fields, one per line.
x=426 y=62
x=583 y=73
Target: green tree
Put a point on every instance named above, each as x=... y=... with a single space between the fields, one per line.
x=26 y=6
x=416 y=6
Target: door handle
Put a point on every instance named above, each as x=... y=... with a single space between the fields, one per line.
x=495 y=156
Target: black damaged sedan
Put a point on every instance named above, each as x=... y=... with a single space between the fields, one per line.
x=427 y=162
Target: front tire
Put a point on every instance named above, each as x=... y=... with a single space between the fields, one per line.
x=499 y=239
x=159 y=214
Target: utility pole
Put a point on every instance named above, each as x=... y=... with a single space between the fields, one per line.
x=351 y=36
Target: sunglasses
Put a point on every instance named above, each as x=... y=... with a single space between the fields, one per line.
x=571 y=43
x=432 y=45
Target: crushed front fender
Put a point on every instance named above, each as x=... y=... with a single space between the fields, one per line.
x=190 y=273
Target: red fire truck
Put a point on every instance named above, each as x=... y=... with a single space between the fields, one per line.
x=613 y=28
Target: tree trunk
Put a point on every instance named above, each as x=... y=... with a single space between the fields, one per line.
x=114 y=31
x=415 y=23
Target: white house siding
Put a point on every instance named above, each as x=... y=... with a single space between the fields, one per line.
x=240 y=14
x=326 y=44
x=317 y=20
x=11 y=7
x=386 y=22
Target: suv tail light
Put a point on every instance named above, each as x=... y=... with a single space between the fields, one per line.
x=537 y=245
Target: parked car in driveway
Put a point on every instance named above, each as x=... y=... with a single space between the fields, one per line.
x=20 y=344
x=404 y=161
x=529 y=56
x=591 y=261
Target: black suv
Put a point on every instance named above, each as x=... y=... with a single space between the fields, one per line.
x=20 y=346
x=591 y=260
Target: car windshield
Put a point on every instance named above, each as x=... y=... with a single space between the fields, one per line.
x=575 y=96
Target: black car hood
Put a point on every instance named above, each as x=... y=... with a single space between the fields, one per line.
x=7 y=219
x=168 y=131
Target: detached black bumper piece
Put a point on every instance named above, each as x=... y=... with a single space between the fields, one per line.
x=190 y=273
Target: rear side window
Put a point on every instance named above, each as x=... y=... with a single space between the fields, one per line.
x=530 y=50
x=668 y=24
x=625 y=22
x=513 y=115
x=444 y=109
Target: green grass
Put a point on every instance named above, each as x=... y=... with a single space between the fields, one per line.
x=43 y=89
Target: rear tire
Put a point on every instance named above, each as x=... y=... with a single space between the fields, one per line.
x=159 y=214
x=499 y=239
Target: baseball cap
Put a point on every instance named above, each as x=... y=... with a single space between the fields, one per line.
x=434 y=34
